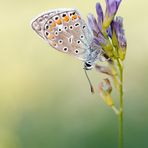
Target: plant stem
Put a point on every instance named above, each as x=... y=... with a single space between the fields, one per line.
x=121 y=105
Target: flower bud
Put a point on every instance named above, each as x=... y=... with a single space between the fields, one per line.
x=118 y=37
x=100 y=15
x=105 y=89
x=111 y=9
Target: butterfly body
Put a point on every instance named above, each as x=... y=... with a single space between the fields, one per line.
x=67 y=32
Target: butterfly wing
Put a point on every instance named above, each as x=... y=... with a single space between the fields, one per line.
x=66 y=31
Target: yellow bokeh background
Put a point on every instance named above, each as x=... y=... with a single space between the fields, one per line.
x=45 y=100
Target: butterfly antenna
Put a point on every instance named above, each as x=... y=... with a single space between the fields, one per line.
x=90 y=84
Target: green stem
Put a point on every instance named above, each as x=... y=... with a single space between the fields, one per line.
x=121 y=105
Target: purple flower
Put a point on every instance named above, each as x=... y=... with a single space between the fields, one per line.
x=109 y=31
x=100 y=15
x=105 y=28
x=111 y=10
x=93 y=24
x=117 y=27
x=99 y=37
x=112 y=7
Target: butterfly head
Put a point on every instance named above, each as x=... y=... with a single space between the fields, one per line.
x=88 y=65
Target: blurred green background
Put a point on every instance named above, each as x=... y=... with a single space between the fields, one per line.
x=45 y=100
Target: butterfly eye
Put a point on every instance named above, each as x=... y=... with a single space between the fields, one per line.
x=78 y=41
x=81 y=36
x=76 y=24
x=50 y=22
x=60 y=41
x=71 y=27
x=84 y=27
x=46 y=33
x=56 y=33
x=60 y=30
x=63 y=15
x=66 y=27
x=65 y=49
x=76 y=51
x=56 y=18
x=46 y=26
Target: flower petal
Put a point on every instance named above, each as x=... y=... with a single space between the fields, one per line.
x=111 y=10
x=93 y=23
x=100 y=15
x=117 y=27
x=99 y=40
x=109 y=31
x=112 y=7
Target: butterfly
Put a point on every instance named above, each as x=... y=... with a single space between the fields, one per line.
x=67 y=32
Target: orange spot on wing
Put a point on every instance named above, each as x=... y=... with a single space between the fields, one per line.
x=50 y=29
x=51 y=37
x=66 y=18
x=54 y=44
x=79 y=17
x=53 y=24
x=59 y=22
x=74 y=17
